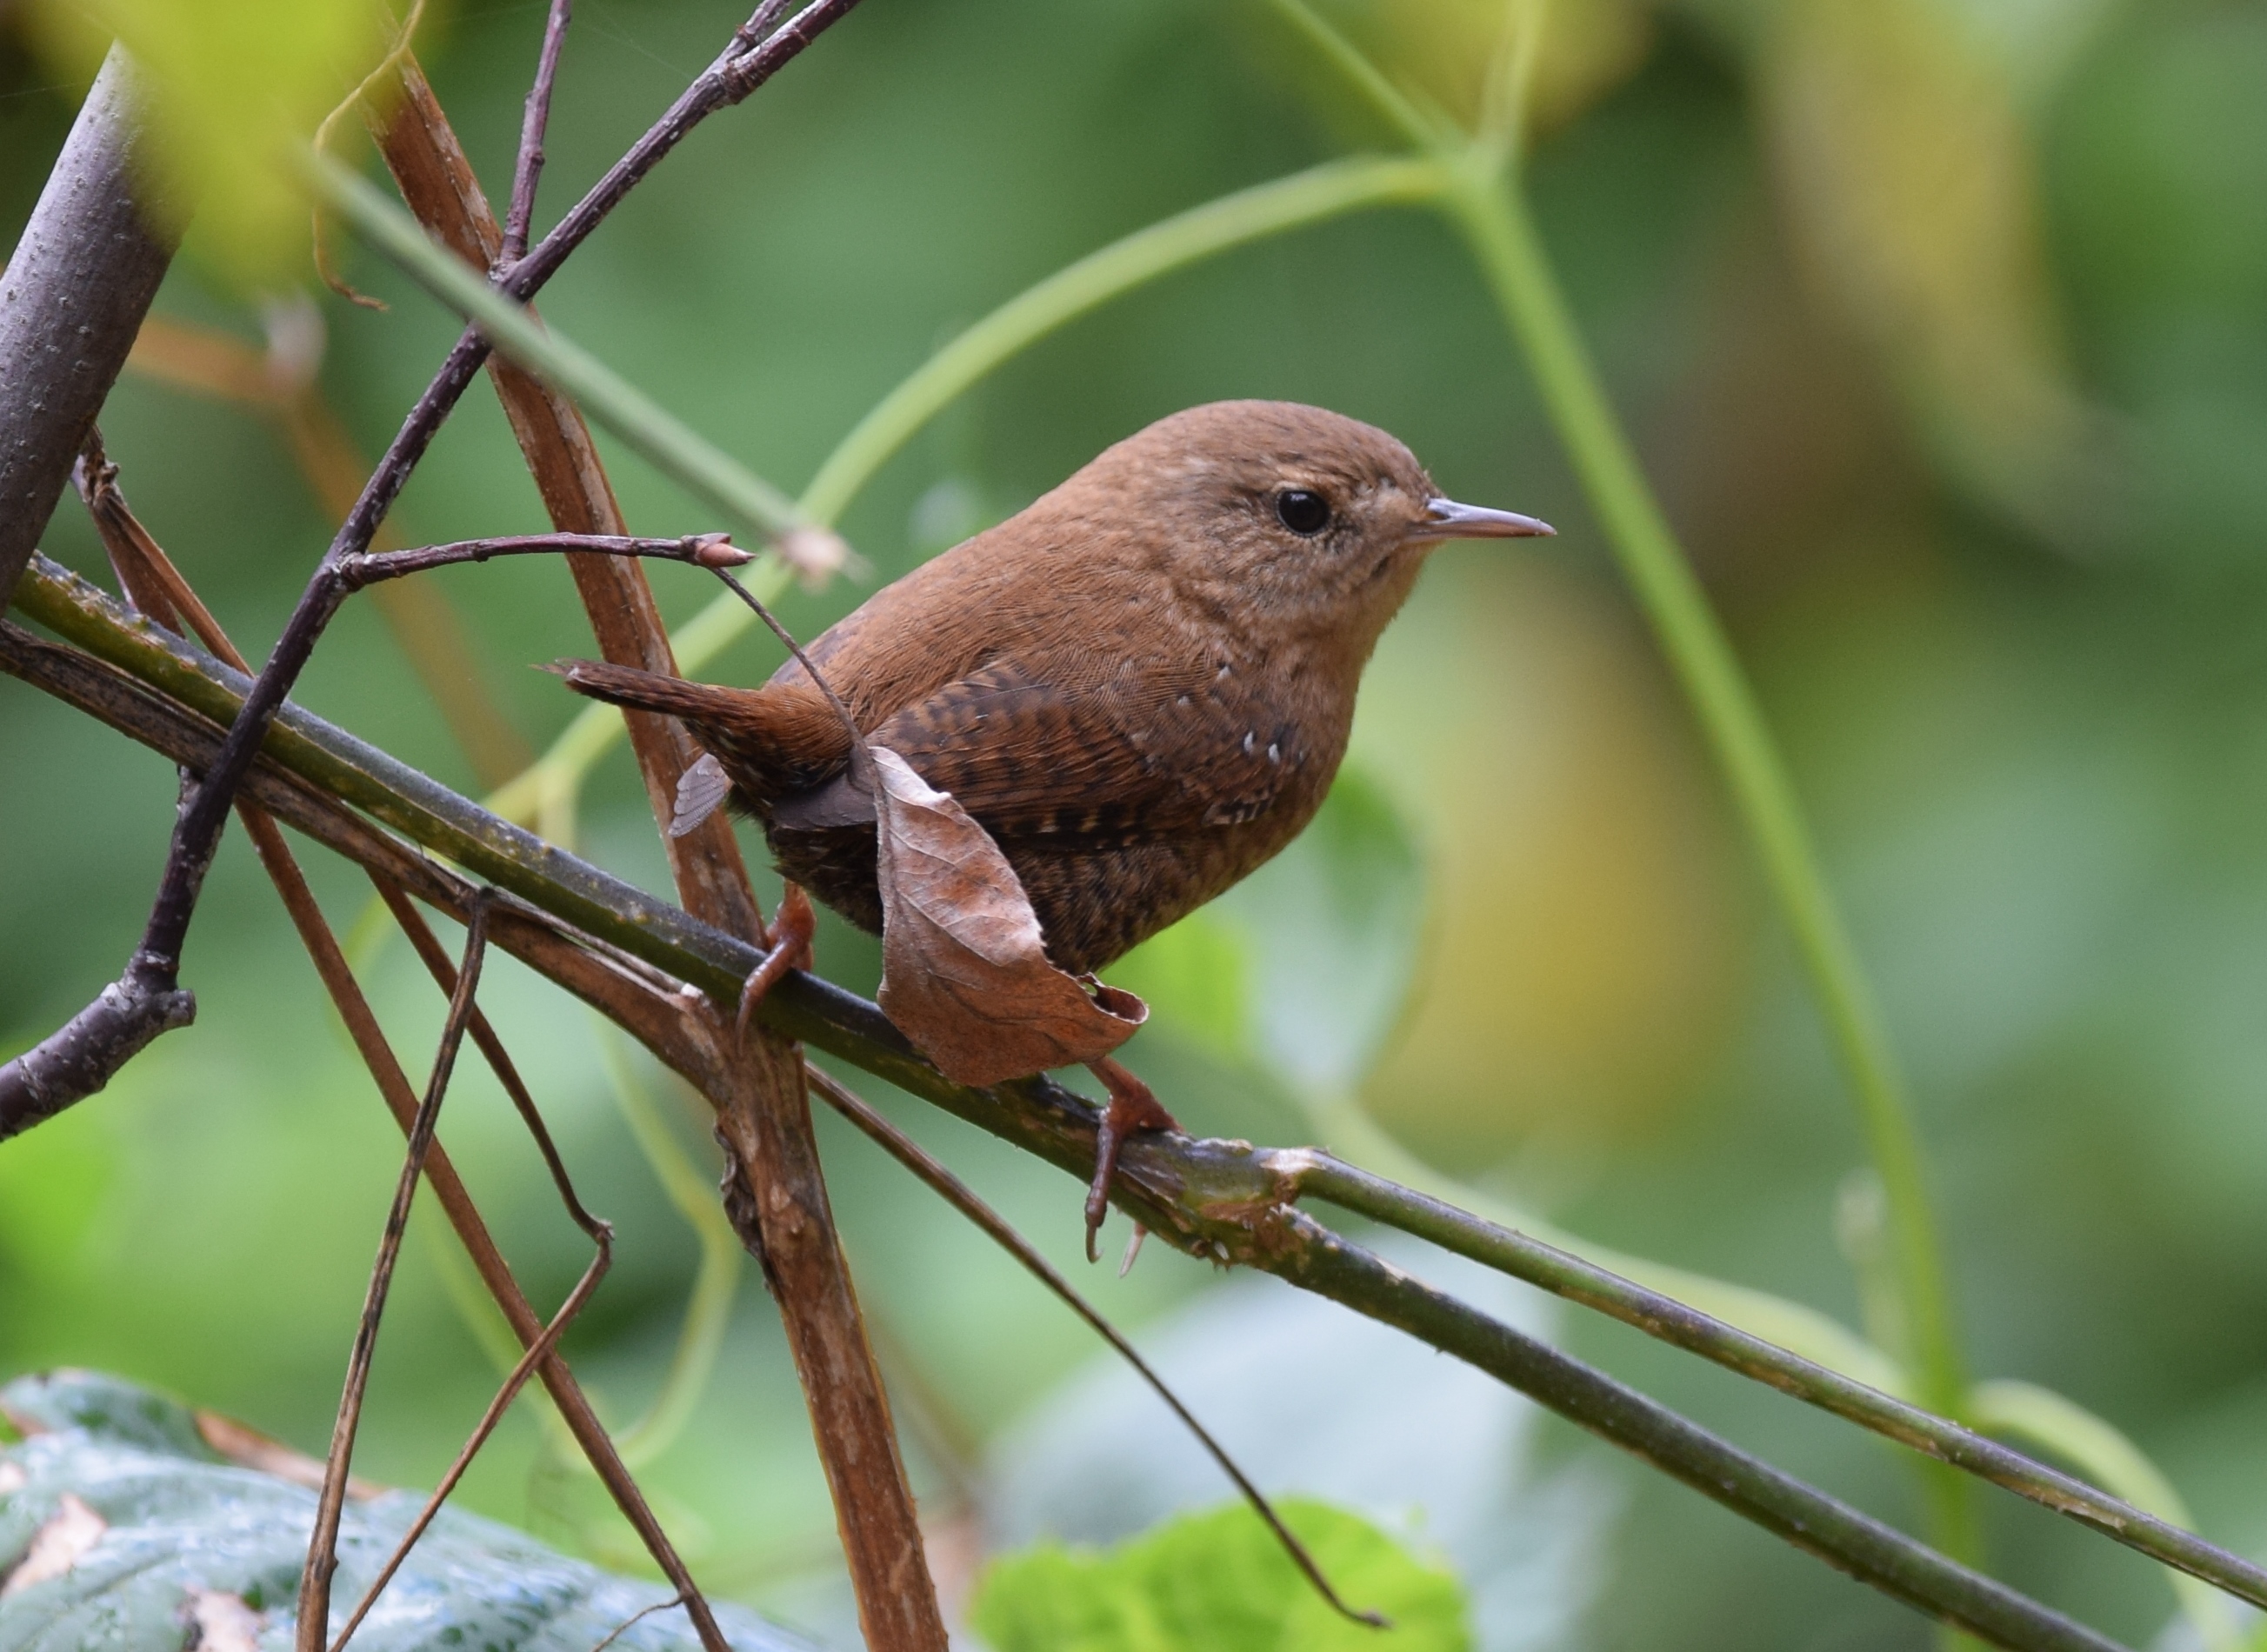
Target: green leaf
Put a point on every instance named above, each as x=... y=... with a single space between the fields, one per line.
x=233 y=85
x=1306 y=964
x=150 y=1529
x=1196 y=980
x=1220 y=1581
x=1335 y=922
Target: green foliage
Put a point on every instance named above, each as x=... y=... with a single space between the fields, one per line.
x=234 y=84
x=1219 y=1581
x=179 y=1533
x=1305 y=965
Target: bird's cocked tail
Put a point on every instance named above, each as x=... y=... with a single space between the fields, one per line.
x=775 y=743
x=647 y=691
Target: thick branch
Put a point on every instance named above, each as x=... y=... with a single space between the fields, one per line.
x=83 y=1055
x=1225 y=1201
x=77 y=288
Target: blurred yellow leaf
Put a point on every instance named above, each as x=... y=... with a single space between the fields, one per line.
x=1452 y=55
x=1586 y=951
x=231 y=84
x=1912 y=187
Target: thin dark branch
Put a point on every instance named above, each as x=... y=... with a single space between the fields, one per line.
x=702 y=550
x=1225 y=1201
x=635 y=1618
x=435 y=958
x=739 y=71
x=961 y=1197
x=78 y=285
x=537 y=1351
x=528 y=169
x=314 y=1610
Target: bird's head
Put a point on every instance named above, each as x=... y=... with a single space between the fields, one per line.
x=1320 y=520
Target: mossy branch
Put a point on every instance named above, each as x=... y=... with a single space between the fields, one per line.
x=1225 y=1200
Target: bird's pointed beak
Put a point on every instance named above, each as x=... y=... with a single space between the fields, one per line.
x=1446 y=519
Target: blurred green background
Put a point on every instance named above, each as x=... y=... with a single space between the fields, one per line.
x=1942 y=326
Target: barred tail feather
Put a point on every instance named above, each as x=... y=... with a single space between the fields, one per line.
x=774 y=742
x=644 y=691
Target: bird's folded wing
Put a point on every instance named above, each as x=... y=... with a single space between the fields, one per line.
x=1126 y=759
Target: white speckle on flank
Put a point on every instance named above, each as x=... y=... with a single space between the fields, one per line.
x=1221 y=674
x=1247 y=742
x=1274 y=752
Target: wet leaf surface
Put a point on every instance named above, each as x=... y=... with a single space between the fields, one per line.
x=124 y=1529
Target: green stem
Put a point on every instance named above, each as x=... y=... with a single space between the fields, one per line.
x=2040 y=1417
x=643 y=424
x=2145 y=1514
x=1491 y=211
x=1495 y=222
x=1347 y=1129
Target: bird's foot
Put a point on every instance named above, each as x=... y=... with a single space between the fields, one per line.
x=788 y=940
x=1132 y=1107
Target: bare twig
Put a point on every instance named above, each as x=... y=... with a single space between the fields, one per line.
x=635 y=1618
x=961 y=1197
x=528 y=169
x=435 y=958
x=314 y=1610
x=537 y=1351
x=702 y=550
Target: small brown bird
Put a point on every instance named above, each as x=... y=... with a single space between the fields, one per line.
x=1140 y=684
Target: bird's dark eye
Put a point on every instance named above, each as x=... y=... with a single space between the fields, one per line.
x=1303 y=510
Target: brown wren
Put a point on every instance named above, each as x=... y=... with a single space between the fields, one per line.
x=1140 y=684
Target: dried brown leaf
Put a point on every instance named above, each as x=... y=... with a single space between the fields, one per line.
x=58 y=1545
x=965 y=970
x=246 y=1447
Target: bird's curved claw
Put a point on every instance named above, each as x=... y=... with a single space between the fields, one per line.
x=1133 y=1107
x=792 y=930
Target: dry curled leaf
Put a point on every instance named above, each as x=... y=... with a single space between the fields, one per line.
x=965 y=970
x=58 y=1545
